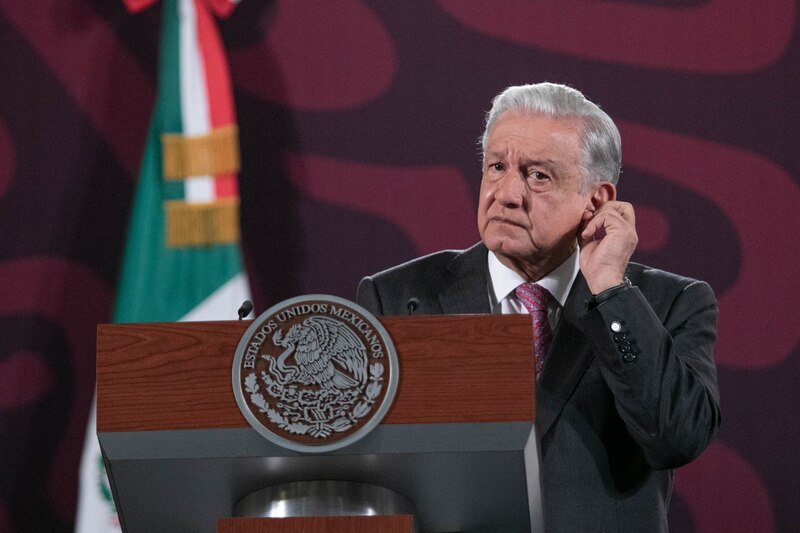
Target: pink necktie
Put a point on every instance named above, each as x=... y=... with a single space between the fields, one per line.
x=534 y=298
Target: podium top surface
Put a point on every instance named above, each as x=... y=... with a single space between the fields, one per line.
x=453 y=369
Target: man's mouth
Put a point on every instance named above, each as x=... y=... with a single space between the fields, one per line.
x=507 y=221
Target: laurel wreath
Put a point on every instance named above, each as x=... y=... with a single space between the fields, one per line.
x=321 y=429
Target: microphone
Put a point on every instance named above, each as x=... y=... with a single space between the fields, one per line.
x=412 y=304
x=245 y=309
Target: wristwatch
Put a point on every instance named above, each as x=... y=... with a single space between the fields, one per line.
x=609 y=293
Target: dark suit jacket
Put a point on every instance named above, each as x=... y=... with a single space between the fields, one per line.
x=610 y=430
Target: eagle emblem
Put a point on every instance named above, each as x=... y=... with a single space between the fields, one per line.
x=315 y=373
x=326 y=353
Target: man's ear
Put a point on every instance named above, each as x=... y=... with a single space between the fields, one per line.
x=605 y=192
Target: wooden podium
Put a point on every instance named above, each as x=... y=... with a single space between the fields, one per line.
x=456 y=441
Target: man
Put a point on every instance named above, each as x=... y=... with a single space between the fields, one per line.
x=627 y=389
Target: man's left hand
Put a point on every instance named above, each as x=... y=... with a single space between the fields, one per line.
x=607 y=242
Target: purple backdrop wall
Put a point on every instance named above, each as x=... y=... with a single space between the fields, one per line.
x=358 y=124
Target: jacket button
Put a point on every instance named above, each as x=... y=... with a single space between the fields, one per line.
x=621 y=336
x=616 y=327
x=625 y=347
x=629 y=357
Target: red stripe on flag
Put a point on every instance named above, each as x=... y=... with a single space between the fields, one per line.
x=225 y=185
x=218 y=79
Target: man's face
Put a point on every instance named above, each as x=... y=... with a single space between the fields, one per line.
x=530 y=205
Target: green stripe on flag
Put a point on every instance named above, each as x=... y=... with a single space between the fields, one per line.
x=167 y=112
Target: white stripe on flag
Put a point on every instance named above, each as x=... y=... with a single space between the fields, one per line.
x=194 y=96
x=96 y=512
x=199 y=190
x=223 y=303
x=195 y=116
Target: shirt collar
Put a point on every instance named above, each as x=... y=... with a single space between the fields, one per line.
x=558 y=281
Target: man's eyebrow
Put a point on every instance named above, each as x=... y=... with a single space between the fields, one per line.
x=546 y=163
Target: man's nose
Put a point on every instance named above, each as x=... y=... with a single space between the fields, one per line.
x=510 y=190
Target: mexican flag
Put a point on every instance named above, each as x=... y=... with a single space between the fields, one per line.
x=182 y=259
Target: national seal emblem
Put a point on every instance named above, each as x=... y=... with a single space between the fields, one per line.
x=315 y=373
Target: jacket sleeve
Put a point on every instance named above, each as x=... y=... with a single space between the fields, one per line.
x=661 y=369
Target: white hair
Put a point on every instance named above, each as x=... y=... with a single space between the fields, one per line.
x=600 y=140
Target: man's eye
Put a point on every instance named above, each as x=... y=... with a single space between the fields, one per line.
x=498 y=167
x=538 y=176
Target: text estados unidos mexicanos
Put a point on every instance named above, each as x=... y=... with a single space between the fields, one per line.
x=371 y=338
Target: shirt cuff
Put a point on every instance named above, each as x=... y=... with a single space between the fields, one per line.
x=598 y=299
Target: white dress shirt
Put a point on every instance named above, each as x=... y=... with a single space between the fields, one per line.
x=503 y=281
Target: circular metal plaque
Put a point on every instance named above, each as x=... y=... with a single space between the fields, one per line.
x=315 y=373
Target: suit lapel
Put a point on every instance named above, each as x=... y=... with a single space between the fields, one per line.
x=567 y=360
x=468 y=291
x=569 y=355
